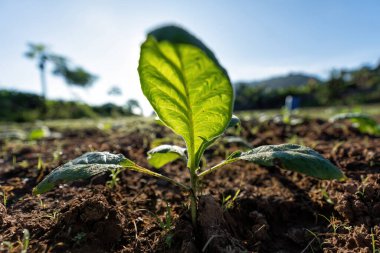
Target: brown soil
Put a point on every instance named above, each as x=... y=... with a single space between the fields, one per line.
x=275 y=211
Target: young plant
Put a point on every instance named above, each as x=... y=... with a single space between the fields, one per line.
x=192 y=95
x=114 y=178
x=363 y=122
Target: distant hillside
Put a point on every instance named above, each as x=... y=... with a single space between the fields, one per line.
x=283 y=81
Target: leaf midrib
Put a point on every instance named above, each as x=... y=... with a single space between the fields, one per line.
x=187 y=97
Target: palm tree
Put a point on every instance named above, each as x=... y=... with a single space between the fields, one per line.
x=76 y=76
x=38 y=52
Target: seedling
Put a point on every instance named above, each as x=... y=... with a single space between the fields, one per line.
x=40 y=163
x=24 y=243
x=166 y=225
x=7 y=245
x=310 y=244
x=192 y=95
x=114 y=178
x=334 y=223
x=5 y=198
x=25 y=240
x=363 y=122
x=229 y=201
x=53 y=216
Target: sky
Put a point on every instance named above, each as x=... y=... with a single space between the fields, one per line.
x=252 y=39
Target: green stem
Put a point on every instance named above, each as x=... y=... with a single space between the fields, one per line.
x=138 y=168
x=220 y=165
x=193 y=197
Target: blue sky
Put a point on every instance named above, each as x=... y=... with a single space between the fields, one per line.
x=252 y=39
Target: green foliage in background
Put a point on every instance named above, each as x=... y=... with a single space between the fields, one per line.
x=343 y=87
x=26 y=107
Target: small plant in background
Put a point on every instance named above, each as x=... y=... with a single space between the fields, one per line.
x=5 y=198
x=22 y=244
x=192 y=95
x=229 y=201
x=363 y=122
x=166 y=225
x=25 y=240
x=334 y=223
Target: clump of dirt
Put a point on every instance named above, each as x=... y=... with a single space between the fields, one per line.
x=214 y=230
x=89 y=225
x=353 y=239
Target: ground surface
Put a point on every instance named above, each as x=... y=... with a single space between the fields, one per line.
x=275 y=210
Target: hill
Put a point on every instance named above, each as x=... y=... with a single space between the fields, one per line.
x=292 y=79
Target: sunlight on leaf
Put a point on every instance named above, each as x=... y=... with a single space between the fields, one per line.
x=294 y=157
x=83 y=167
x=161 y=155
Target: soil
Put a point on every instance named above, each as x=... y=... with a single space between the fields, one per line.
x=274 y=210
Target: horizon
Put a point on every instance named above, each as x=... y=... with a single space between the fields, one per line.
x=252 y=40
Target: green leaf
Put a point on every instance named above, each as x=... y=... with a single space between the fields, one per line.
x=236 y=140
x=294 y=157
x=178 y=35
x=161 y=155
x=234 y=155
x=91 y=164
x=353 y=115
x=39 y=133
x=83 y=167
x=234 y=121
x=362 y=121
x=188 y=90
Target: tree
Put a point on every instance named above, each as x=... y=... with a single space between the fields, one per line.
x=76 y=76
x=115 y=91
x=132 y=104
x=38 y=52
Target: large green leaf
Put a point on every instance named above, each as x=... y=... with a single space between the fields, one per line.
x=83 y=167
x=293 y=157
x=91 y=164
x=178 y=35
x=188 y=90
x=287 y=156
x=163 y=154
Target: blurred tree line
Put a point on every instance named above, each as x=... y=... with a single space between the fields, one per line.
x=343 y=87
x=24 y=107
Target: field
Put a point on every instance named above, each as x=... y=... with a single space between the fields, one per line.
x=246 y=208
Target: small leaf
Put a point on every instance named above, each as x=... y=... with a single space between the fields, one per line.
x=39 y=133
x=235 y=154
x=294 y=157
x=161 y=155
x=234 y=121
x=236 y=140
x=83 y=167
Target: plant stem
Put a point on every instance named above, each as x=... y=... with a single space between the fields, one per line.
x=220 y=165
x=193 y=197
x=138 y=168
